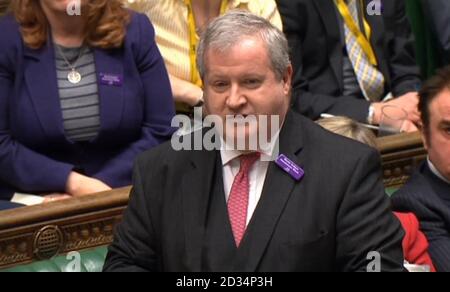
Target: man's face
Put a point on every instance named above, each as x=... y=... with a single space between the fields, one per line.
x=241 y=81
x=438 y=141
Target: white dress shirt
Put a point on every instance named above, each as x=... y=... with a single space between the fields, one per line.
x=436 y=171
x=257 y=175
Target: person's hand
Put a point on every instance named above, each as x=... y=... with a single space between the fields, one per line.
x=79 y=185
x=409 y=102
x=185 y=92
x=195 y=98
x=55 y=197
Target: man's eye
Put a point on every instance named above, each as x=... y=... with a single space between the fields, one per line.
x=252 y=82
x=220 y=84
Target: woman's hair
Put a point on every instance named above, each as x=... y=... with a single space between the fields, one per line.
x=349 y=128
x=106 y=23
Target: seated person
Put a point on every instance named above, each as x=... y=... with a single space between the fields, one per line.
x=427 y=193
x=178 y=24
x=349 y=63
x=415 y=244
x=236 y=209
x=80 y=97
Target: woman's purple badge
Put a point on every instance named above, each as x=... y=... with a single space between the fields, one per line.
x=290 y=167
x=111 y=79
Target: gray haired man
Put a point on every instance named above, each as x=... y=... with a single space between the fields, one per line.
x=318 y=206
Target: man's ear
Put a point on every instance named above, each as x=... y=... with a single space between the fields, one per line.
x=287 y=79
x=425 y=135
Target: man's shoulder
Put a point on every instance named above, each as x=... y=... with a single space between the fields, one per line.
x=422 y=185
x=419 y=196
x=416 y=192
x=416 y=184
x=164 y=152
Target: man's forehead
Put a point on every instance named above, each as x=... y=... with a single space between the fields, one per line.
x=249 y=44
x=246 y=57
x=440 y=108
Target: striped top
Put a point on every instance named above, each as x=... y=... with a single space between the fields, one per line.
x=79 y=102
x=169 y=18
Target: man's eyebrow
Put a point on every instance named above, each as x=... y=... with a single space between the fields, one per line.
x=217 y=76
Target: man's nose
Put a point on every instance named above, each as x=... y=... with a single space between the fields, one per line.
x=236 y=98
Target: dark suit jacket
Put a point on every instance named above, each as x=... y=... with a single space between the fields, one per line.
x=35 y=155
x=314 y=35
x=428 y=198
x=437 y=13
x=329 y=221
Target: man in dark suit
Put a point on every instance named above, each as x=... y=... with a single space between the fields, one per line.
x=320 y=207
x=350 y=57
x=427 y=193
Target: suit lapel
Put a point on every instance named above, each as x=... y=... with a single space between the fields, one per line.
x=327 y=11
x=111 y=96
x=41 y=82
x=277 y=189
x=196 y=188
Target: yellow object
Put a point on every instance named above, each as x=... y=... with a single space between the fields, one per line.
x=371 y=81
x=363 y=41
x=170 y=19
x=194 y=39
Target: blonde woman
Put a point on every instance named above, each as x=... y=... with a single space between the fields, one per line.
x=349 y=128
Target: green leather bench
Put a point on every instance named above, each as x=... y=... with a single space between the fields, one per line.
x=91 y=260
x=61 y=236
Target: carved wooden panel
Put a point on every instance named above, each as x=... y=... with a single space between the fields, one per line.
x=401 y=154
x=41 y=232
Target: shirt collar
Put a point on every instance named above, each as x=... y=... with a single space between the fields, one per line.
x=436 y=171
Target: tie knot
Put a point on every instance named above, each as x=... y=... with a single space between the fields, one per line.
x=248 y=160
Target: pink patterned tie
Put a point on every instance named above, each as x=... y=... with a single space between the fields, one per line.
x=238 y=200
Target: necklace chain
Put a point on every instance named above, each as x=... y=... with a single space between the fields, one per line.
x=74 y=76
